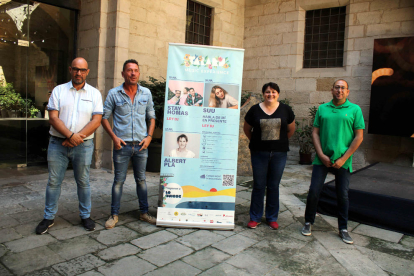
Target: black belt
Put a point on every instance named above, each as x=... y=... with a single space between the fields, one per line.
x=132 y=142
x=60 y=138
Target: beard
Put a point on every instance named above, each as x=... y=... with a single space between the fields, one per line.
x=78 y=81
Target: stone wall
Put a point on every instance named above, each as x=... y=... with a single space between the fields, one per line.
x=155 y=23
x=271 y=31
x=112 y=31
x=244 y=166
x=274 y=38
x=103 y=32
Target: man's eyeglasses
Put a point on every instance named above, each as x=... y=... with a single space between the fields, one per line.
x=340 y=87
x=76 y=70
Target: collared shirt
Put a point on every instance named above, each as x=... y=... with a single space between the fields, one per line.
x=337 y=125
x=197 y=99
x=129 y=118
x=76 y=107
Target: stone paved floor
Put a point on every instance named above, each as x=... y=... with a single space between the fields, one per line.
x=137 y=248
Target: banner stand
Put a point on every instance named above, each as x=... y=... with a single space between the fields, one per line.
x=200 y=137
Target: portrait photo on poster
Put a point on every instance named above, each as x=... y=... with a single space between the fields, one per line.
x=182 y=145
x=221 y=95
x=187 y=93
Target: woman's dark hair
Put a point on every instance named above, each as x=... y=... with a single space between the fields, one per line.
x=182 y=136
x=271 y=85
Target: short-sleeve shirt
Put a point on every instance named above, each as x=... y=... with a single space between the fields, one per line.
x=336 y=129
x=76 y=107
x=228 y=101
x=269 y=131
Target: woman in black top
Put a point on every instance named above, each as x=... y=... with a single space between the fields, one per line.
x=268 y=125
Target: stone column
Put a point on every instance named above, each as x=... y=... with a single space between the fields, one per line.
x=103 y=42
x=117 y=44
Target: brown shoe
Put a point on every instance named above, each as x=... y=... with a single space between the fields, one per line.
x=110 y=223
x=148 y=218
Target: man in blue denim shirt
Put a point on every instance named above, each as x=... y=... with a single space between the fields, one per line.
x=131 y=106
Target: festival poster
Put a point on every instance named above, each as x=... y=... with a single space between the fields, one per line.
x=200 y=137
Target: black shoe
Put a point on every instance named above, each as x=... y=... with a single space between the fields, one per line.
x=306 y=230
x=346 y=238
x=44 y=225
x=88 y=224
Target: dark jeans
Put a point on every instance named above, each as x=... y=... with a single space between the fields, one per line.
x=139 y=163
x=268 y=168
x=341 y=186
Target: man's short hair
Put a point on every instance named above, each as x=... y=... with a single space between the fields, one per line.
x=177 y=90
x=182 y=136
x=190 y=89
x=130 y=61
x=341 y=80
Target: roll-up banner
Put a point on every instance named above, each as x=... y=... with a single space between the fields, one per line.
x=200 y=137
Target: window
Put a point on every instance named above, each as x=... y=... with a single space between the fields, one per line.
x=37 y=45
x=324 y=38
x=198 y=23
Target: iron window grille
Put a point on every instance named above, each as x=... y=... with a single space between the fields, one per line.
x=324 y=38
x=198 y=25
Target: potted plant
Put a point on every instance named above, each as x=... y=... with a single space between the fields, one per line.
x=34 y=112
x=25 y=105
x=3 y=106
x=28 y=109
x=10 y=100
x=157 y=88
x=4 y=99
x=304 y=137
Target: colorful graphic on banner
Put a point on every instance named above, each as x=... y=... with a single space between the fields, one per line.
x=200 y=137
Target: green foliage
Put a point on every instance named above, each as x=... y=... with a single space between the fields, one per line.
x=286 y=101
x=244 y=97
x=33 y=112
x=304 y=132
x=9 y=99
x=28 y=108
x=157 y=88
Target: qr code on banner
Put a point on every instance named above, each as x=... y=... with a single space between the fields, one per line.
x=228 y=179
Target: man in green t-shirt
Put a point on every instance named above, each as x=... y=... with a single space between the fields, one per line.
x=337 y=134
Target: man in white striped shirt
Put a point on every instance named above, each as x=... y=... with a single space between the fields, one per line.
x=75 y=112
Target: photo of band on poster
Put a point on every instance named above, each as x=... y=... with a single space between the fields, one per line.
x=200 y=137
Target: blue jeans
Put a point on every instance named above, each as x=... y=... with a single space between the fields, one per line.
x=268 y=168
x=58 y=158
x=342 y=176
x=139 y=164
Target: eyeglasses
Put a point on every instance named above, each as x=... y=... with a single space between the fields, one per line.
x=76 y=70
x=340 y=87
